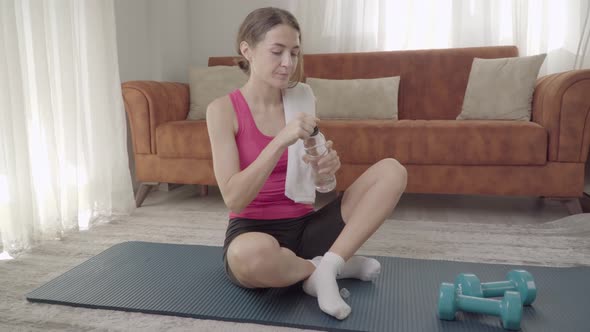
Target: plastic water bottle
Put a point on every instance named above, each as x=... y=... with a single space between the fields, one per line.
x=315 y=146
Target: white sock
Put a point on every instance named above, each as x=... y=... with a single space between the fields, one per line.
x=360 y=267
x=357 y=267
x=322 y=284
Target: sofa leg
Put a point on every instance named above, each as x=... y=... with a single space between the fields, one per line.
x=573 y=205
x=144 y=189
x=204 y=191
x=585 y=202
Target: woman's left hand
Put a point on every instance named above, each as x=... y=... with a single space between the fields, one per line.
x=328 y=164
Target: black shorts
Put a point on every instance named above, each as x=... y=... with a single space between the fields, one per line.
x=308 y=236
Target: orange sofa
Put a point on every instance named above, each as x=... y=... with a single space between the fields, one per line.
x=544 y=157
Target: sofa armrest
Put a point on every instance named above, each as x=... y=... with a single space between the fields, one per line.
x=562 y=106
x=149 y=104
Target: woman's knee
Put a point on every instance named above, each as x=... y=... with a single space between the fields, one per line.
x=394 y=172
x=248 y=252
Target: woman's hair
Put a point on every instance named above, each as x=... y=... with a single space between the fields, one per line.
x=255 y=27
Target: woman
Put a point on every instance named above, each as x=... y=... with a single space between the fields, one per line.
x=272 y=241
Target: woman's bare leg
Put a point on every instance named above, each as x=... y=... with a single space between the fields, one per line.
x=257 y=261
x=367 y=203
x=365 y=206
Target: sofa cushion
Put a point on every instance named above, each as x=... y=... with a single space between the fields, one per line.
x=183 y=139
x=442 y=142
x=210 y=83
x=501 y=89
x=356 y=99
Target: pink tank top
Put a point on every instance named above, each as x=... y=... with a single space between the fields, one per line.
x=271 y=202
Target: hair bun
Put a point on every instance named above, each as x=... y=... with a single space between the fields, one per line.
x=243 y=64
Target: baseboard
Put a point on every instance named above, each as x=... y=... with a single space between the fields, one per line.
x=168 y=186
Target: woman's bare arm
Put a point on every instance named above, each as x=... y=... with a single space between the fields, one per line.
x=239 y=188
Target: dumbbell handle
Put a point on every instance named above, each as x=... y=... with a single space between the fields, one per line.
x=478 y=305
x=496 y=288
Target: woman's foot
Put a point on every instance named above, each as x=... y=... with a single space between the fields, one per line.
x=322 y=284
x=357 y=267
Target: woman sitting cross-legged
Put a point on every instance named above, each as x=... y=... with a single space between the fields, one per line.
x=271 y=240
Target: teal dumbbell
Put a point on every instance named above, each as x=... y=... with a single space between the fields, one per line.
x=520 y=281
x=450 y=300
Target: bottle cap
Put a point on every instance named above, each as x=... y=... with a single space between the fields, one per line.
x=316 y=130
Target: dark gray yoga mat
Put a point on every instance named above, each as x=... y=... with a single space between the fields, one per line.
x=189 y=281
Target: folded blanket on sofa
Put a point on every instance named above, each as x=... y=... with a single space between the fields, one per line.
x=299 y=185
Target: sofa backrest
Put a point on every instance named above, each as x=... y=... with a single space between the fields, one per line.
x=432 y=82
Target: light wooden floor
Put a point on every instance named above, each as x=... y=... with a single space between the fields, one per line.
x=417 y=207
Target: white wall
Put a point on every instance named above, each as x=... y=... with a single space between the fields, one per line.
x=159 y=40
x=216 y=23
x=153 y=39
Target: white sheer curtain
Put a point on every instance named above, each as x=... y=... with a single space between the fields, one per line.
x=555 y=27
x=63 y=153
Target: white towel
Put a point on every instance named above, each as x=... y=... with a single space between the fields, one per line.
x=299 y=185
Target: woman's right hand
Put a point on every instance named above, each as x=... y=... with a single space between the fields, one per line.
x=301 y=127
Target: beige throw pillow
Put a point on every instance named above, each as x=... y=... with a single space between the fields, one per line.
x=501 y=89
x=356 y=99
x=209 y=83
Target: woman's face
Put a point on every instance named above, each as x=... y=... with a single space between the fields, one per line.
x=274 y=59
